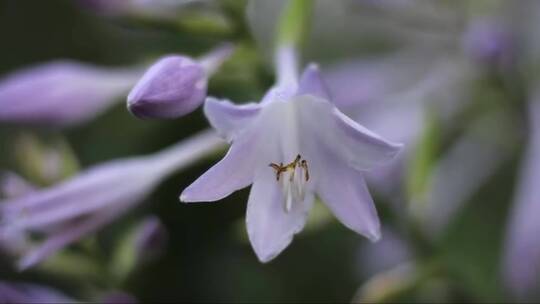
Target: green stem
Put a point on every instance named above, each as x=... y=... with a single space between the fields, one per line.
x=290 y=32
x=293 y=24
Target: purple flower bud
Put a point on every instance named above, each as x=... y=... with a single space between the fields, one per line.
x=172 y=87
x=61 y=93
x=489 y=42
x=150 y=239
x=175 y=85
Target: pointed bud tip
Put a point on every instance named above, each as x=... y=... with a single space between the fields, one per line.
x=374 y=236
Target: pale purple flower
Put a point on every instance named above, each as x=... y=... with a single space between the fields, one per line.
x=30 y=293
x=61 y=93
x=522 y=256
x=292 y=145
x=66 y=212
x=175 y=85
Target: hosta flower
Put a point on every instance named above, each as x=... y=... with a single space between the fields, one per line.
x=522 y=250
x=291 y=146
x=66 y=212
x=61 y=93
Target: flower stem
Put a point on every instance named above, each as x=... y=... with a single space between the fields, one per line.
x=291 y=30
x=213 y=60
x=293 y=23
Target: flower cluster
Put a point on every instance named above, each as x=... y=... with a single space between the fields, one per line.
x=430 y=116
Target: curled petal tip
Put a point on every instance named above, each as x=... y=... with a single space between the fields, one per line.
x=312 y=83
x=397 y=148
x=266 y=258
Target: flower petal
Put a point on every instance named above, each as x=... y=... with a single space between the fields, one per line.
x=362 y=148
x=228 y=118
x=345 y=192
x=69 y=235
x=233 y=172
x=270 y=228
x=109 y=183
x=311 y=83
x=349 y=141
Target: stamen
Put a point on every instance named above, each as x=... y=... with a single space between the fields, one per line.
x=293 y=187
x=303 y=164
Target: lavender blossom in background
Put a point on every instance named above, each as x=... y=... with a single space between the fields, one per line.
x=392 y=94
x=66 y=212
x=490 y=41
x=522 y=257
x=175 y=85
x=291 y=145
x=61 y=93
x=31 y=293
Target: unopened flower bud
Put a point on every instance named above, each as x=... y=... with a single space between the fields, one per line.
x=61 y=93
x=172 y=87
x=489 y=42
x=150 y=239
x=175 y=85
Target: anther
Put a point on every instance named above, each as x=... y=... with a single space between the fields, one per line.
x=304 y=165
